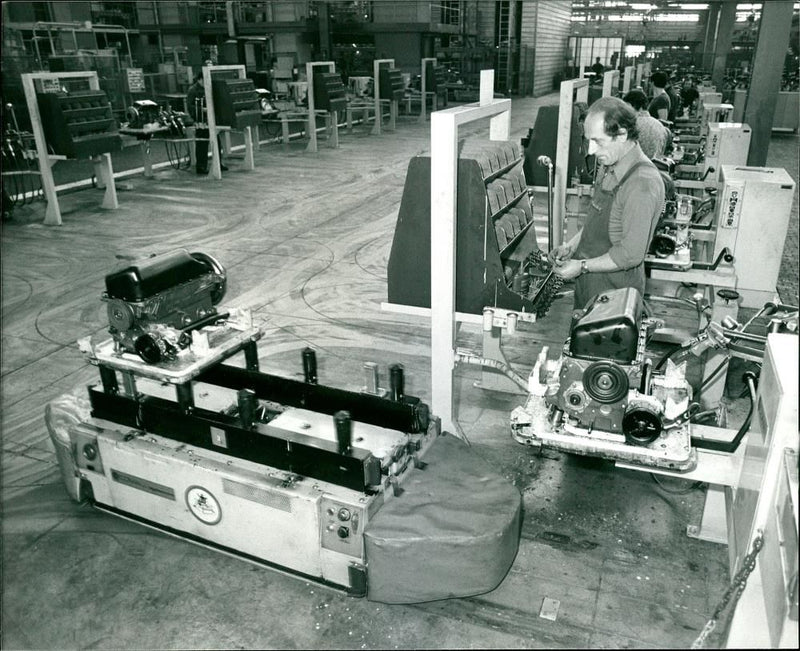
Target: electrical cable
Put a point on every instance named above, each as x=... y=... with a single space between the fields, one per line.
x=713 y=374
x=750 y=379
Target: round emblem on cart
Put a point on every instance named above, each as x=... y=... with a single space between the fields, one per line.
x=203 y=505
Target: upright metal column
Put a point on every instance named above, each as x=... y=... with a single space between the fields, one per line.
x=711 y=33
x=765 y=82
x=722 y=42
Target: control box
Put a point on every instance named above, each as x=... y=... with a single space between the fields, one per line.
x=330 y=93
x=754 y=205
x=727 y=143
x=715 y=113
x=79 y=124
x=391 y=84
x=236 y=103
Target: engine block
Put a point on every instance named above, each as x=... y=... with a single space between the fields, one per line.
x=152 y=306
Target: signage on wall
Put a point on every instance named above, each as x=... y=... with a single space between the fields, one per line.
x=135 y=80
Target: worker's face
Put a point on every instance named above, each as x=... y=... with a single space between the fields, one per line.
x=606 y=149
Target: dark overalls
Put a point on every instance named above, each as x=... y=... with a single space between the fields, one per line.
x=595 y=242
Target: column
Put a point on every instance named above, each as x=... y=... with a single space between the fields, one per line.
x=773 y=42
x=708 y=41
x=722 y=42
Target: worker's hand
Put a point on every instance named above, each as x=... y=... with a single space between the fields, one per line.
x=559 y=255
x=568 y=269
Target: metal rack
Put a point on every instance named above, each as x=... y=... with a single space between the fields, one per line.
x=103 y=168
x=214 y=129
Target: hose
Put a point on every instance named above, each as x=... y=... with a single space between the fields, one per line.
x=505 y=369
x=750 y=379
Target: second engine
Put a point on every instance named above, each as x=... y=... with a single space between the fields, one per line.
x=603 y=382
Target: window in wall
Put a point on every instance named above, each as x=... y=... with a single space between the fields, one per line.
x=41 y=12
x=586 y=50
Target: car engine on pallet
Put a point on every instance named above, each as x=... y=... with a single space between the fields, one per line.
x=358 y=490
x=153 y=306
x=602 y=397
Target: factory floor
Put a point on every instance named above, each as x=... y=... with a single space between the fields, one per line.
x=305 y=238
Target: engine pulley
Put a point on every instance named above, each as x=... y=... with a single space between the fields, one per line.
x=120 y=315
x=605 y=382
x=663 y=245
x=641 y=425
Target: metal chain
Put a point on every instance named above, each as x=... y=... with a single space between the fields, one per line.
x=734 y=590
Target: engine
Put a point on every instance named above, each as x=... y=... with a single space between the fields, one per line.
x=602 y=382
x=154 y=305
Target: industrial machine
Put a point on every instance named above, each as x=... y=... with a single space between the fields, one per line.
x=236 y=102
x=330 y=93
x=603 y=396
x=763 y=510
x=753 y=218
x=78 y=124
x=727 y=143
x=358 y=490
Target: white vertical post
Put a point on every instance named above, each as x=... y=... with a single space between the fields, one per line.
x=486 y=91
x=376 y=85
x=105 y=171
x=211 y=117
x=444 y=171
x=444 y=193
x=572 y=90
x=610 y=81
x=249 y=160
x=312 y=116
x=211 y=120
x=424 y=88
x=626 y=80
x=52 y=216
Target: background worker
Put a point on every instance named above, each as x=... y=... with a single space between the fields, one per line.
x=195 y=101
x=627 y=200
x=653 y=136
x=598 y=68
x=659 y=106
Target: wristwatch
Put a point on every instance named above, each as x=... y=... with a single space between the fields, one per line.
x=584 y=268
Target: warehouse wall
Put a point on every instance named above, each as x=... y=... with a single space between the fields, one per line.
x=404 y=48
x=552 y=31
x=485 y=21
x=638 y=32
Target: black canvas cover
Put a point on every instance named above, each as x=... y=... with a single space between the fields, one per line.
x=454 y=532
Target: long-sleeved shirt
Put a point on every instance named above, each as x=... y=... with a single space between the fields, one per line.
x=635 y=209
x=653 y=135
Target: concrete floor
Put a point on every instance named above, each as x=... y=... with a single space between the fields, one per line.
x=305 y=239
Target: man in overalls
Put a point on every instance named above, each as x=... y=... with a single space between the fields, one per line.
x=627 y=200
